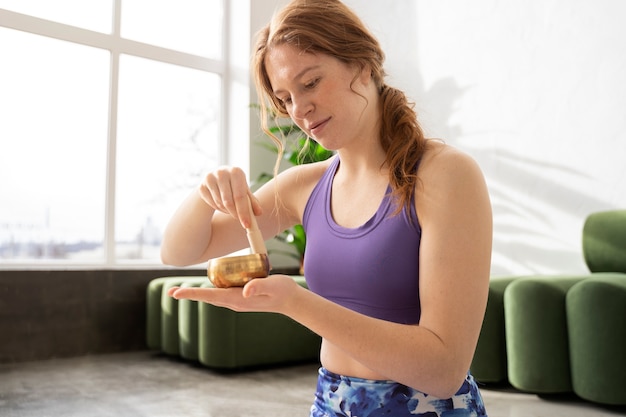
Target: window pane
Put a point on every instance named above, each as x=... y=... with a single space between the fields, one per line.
x=52 y=148
x=168 y=128
x=93 y=14
x=192 y=26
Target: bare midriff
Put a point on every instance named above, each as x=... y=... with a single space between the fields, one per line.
x=338 y=361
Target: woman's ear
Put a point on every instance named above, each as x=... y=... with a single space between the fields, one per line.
x=366 y=75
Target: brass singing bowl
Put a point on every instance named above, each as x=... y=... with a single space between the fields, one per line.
x=236 y=271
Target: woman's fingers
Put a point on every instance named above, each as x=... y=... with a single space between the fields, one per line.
x=263 y=294
x=256 y=205
x=226 y=189
x=221 y=297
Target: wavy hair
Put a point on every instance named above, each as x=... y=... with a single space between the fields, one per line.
x=330 y=27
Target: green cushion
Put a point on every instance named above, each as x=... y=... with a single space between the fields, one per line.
x=596 y=315
x=604 y=241
x=536 y=333
x=489 y=363
x=228 y=339
x=153 y=313
x=170 y=340
x=154 y=294
x=188 y=324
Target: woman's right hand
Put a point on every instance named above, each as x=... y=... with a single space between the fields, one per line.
x=226 y=190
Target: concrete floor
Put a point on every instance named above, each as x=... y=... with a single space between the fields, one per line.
x=148 y=384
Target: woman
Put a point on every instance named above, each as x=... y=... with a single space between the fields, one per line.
x=398 y=227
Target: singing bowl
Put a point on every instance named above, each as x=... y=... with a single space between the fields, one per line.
x=236 y=271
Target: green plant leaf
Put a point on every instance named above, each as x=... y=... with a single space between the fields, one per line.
x=299 y=238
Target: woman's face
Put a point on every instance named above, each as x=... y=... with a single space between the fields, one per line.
x=322 y=95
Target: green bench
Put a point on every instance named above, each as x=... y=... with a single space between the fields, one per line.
x=217 y=337
x=562 y=333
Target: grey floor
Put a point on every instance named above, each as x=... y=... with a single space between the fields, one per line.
x=147 y=384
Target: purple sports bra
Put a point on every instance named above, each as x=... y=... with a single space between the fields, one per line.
x=372 y=269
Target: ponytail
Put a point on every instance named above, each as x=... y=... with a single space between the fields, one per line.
x=403 y=140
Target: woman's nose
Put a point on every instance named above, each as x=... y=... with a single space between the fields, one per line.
x=301 y=107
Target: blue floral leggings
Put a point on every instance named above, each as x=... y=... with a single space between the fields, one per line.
x=342 y=396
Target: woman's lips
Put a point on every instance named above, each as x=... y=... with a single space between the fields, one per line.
x=318 y=126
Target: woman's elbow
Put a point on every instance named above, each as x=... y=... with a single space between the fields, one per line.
x=168 y=257
x=447 y=382
x=450 y=388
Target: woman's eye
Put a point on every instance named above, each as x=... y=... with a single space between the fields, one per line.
x=312 y=84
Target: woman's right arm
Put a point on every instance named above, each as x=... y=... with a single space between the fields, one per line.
x=209 y=222
x=188 y=232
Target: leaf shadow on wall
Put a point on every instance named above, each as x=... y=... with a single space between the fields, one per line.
x=527 y=193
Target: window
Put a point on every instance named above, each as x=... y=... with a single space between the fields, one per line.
x=111 y=111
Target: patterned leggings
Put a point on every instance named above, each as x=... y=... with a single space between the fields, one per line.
x=342 y=396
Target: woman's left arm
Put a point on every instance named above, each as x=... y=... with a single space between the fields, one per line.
x=454 y=211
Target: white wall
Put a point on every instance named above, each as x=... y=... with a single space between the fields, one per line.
x=535 y=91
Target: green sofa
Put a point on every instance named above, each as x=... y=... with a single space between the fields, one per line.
x=563 y=333
x=596 y=318
x=220 y=338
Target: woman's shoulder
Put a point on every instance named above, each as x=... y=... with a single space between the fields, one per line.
x=448 y=176
x=445 y=162
x=295 y=184
x=301 y=175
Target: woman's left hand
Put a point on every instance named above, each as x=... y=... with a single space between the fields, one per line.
x=271 y=294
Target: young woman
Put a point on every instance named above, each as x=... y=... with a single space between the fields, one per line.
x=398 y=227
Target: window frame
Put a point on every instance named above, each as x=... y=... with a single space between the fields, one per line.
x=117 y=45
